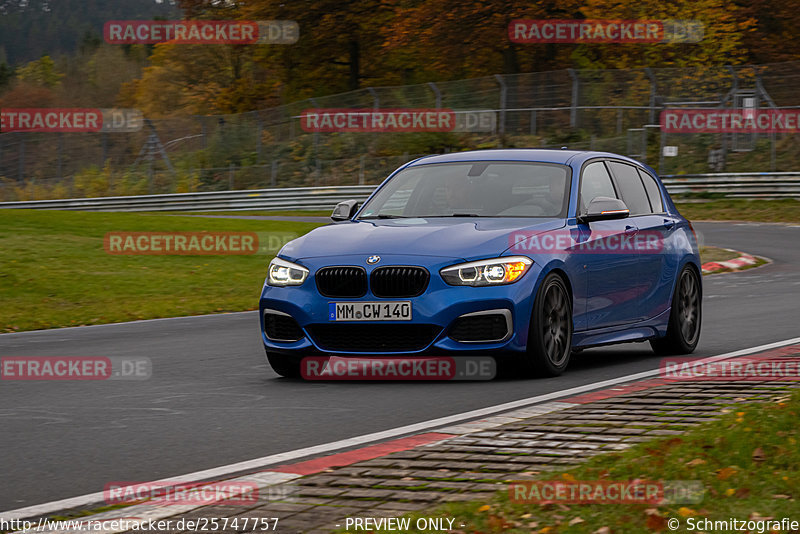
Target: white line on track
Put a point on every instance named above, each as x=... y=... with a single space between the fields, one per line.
x=68 y=328
x=228 y=471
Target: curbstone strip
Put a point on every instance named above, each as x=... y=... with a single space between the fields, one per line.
x=472 y=461
x=742 y=261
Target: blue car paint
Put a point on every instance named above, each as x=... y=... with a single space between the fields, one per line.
x=616 y=297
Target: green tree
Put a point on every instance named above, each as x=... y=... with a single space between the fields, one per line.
x=40 y=72
x=6 y=73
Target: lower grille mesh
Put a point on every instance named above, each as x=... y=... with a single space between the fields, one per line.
x=489 y=327
x=373 y=337
x=281 y=327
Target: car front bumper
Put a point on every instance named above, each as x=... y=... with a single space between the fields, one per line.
x=438 y=307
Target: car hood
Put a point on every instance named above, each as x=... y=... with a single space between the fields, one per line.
x=449 y=237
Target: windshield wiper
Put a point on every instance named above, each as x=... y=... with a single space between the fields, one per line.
x=451 y=215
x=384 y=216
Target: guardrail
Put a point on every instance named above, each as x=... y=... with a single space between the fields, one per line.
x=251 y=199
x=736 y=185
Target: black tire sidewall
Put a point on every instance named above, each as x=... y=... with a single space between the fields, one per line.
x=673 y=342
x=538 y=362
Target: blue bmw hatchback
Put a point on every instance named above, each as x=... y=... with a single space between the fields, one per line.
x=522 y=254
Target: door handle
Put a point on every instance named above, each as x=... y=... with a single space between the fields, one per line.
x=668 y=224
x=631 y=230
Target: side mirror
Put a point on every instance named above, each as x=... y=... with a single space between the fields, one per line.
x=344 y=210
x=604 y=209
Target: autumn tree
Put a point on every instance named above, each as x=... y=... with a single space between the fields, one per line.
x=201 y=79
x=725 y=24
x=24 y=95
x=773 y=37
x=451 y=40
x=340 y=45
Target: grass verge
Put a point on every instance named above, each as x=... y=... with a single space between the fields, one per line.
x=280 y=213
x=716 y=254
x=747 y=461
x=784 y=210
x=54 y=271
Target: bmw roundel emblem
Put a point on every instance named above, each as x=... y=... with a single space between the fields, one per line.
x=372 y=260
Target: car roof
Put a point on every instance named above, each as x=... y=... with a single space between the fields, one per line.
x=540 y=155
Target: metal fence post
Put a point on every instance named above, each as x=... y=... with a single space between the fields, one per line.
x=230 y=176
x=573 y=108
x=274 y=173
x=376 y=103
x=644 y=145
x=21 y=167
x=501 y=128
x=773 y=159
x=104 y=144
x=259 y=133
x=150 y=174
x=651 y=76
x=316 y=143
x=361 y=167
x=437 y=94
x=533 y=122
x=60 y=154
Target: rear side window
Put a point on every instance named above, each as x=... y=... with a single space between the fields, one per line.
x=653 y=192
x=595 y=182
x=631 y=187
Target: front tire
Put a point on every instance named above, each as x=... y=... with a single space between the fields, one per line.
x=683 y=330
x=550 y=332
x=285 y=366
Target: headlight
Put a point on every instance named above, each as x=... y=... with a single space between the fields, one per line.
x=285 y=273
x=494 y=272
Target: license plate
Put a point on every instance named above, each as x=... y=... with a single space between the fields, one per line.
x=369 y=311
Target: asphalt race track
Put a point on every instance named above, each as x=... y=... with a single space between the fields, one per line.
x=212 y=400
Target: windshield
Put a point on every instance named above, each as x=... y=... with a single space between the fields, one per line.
x=473 y=189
